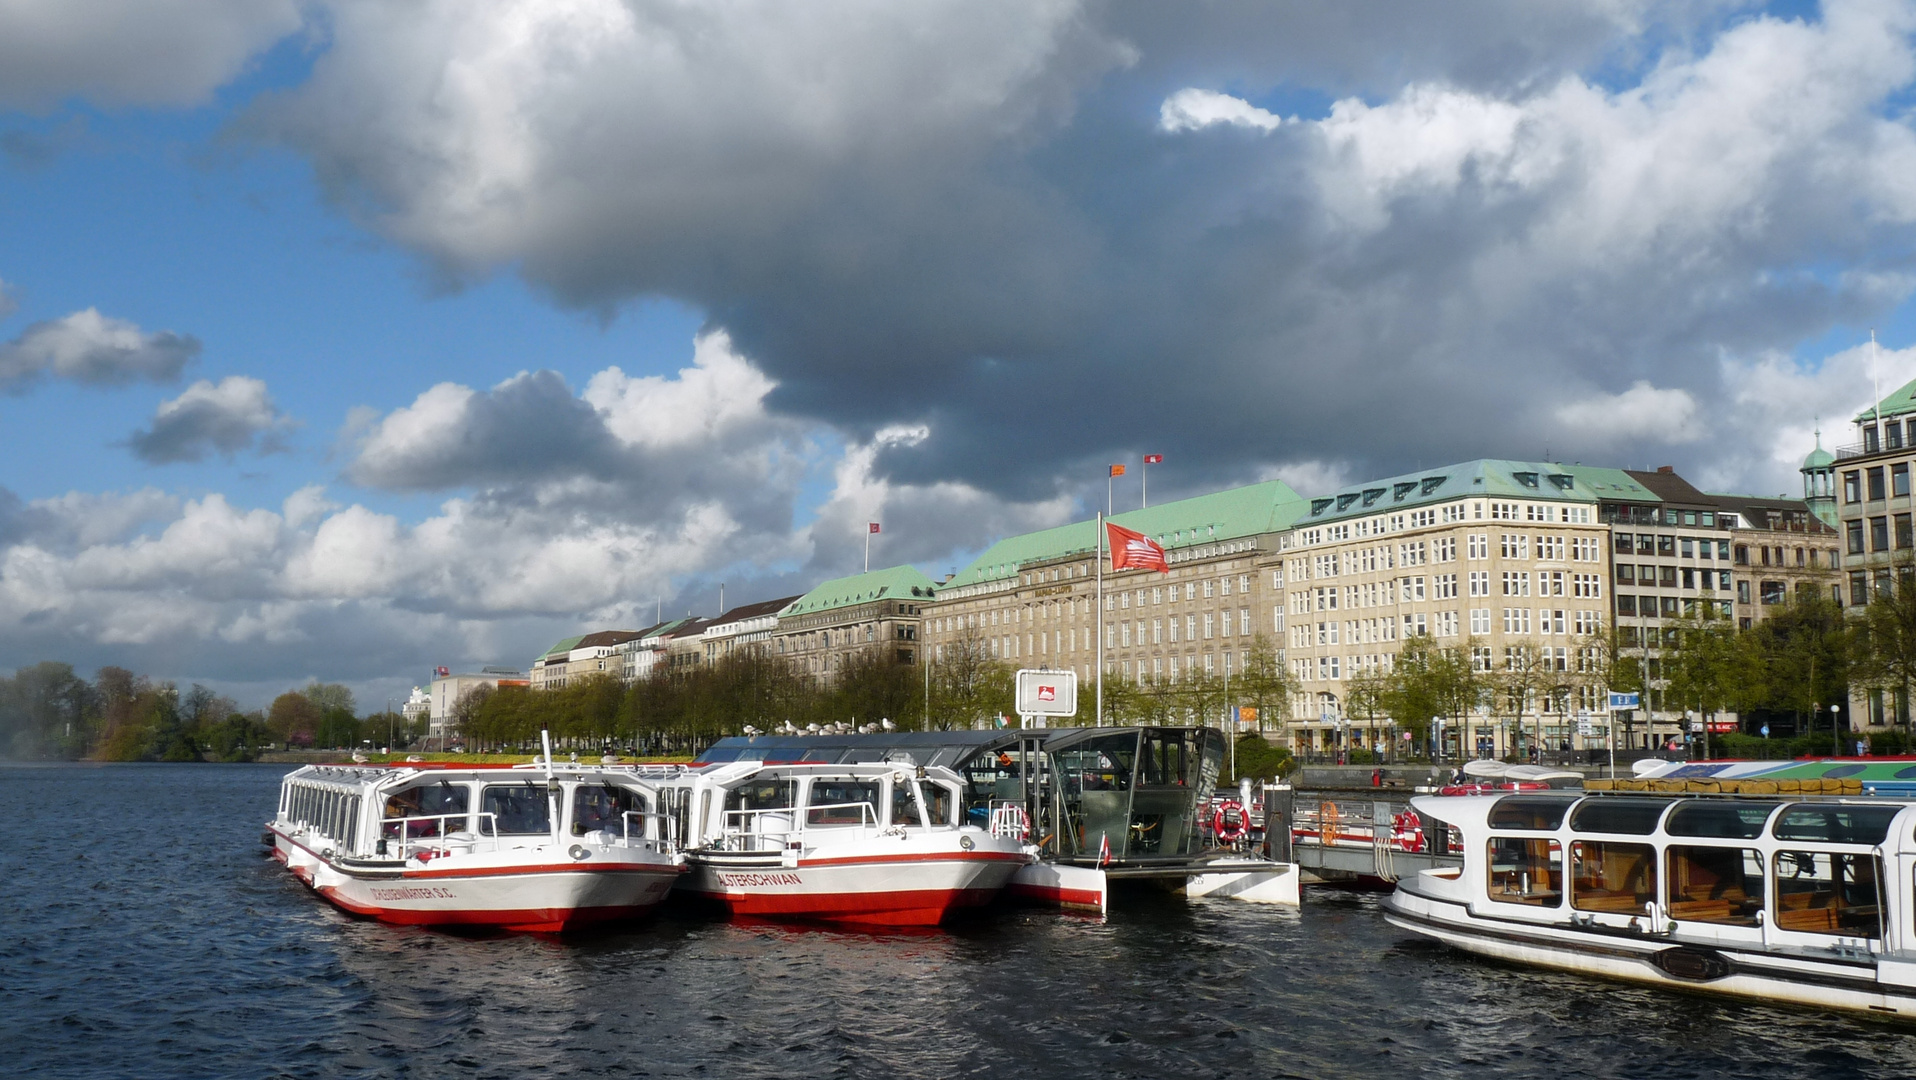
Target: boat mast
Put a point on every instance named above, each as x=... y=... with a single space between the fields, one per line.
x=1099 y=719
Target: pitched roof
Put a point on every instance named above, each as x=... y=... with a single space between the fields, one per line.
x=1669 y=487
x=605 y=637
x=893 y=582
x=1222 y=515
x=753 y=611
x=1484 y=477
x=564 y=646
x=1899 y=402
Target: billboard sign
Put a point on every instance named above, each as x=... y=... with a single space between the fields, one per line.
x=1047 y=693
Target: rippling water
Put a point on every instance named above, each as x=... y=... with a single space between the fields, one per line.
x=145 y=935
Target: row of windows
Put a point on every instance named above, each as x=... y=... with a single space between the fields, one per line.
x=1672 y=577
x=1225 y=624
x=1871 y=481
x=1669 y=546
x=1879 y=533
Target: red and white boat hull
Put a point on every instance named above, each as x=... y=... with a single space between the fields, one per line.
x=904 y=888
x=547 y=892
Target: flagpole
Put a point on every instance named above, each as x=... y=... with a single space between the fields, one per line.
x=868 y=548
x=1100 y=675
x=1107 y=497
x=1144 y=482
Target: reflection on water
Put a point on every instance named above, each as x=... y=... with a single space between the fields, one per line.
x=147 y=936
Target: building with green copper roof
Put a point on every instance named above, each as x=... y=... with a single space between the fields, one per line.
x=1900 y=402
x=870 y=617
x=1483 y=478
x=1268 y=507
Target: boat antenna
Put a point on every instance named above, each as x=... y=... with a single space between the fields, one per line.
x=552 y=787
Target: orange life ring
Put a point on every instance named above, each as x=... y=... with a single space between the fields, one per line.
x=1221 y=821
x=1327 y=823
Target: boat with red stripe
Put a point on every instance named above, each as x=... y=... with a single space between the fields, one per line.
x=877 y=843
x=542 y=848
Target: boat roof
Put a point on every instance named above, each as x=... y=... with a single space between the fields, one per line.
x=948 y=748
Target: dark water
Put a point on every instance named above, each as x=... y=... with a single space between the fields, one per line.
x=144 y=935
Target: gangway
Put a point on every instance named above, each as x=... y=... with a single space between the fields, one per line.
x=1370 y=841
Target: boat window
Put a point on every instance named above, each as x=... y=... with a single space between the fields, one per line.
x=1828 y=892
x=1526 y=871
x=430 y=802
x=903 y=810
x=763 y=795
x=1716 y=884
x=1612 y=877
x=1637 y=816
x=1541 y=812
x=939 y=802
x=516 y=809
x=842 y=802
x=1731 y=821
x=1835 y=823
x=602 y=807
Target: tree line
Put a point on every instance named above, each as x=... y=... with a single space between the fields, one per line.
x=48 y=712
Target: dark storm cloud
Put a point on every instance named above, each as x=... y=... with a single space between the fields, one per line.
x=997 y=239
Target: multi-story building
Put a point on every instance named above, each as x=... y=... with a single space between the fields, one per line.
x=1874 y=513
x=750 y=626
x=448 y=688
x=827 y=627
x=575 y=657
x=1507 y=556
x=1031 y=600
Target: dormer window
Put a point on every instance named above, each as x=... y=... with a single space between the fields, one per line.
x=1318 y=506
x=1344 y=501
x=1563 y=481
x=1399 y=490
x=1430 y=484
x=1527 y=479
x=1371 y=495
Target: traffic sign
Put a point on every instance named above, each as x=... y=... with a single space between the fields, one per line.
x=1623 y=701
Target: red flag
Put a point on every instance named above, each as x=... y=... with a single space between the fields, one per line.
x=1154 y=459
x=1134 y=550
x=442 y=672
x=1117 y=470
x=1104 y=849
x=872 y=525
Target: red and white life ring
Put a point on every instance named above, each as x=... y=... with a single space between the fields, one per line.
x=1024 y=823
x=1230 y=822
x=1407 y=830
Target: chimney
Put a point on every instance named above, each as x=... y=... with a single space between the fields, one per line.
x=1666 y=469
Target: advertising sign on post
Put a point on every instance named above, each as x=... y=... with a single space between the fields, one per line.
x=1623 y=701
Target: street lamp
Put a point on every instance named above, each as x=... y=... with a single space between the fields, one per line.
x=1836 y=737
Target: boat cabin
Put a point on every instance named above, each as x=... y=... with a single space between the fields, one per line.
x=393 y=813
x=752 y=806
x=1759 y=871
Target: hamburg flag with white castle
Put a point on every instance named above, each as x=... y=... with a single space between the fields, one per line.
x=1135 y=551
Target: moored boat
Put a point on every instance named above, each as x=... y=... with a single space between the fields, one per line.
x=878 y=843
x=502 y=847
x=1790 y=898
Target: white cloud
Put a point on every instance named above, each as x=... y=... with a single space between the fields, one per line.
x=1643 y=412
x=131 y=52
x=721 y=389
x=88 y=347
x=1192 y=108
x=227 y=417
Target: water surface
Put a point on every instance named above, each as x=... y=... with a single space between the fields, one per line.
x=146 y=935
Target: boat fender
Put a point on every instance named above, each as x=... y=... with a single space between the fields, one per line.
x=1229 y=823
x=1693 y=964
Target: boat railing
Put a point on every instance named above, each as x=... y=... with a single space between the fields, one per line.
x=774 y=828
x=435 y=834
x=667 y=841
x=1008 y=819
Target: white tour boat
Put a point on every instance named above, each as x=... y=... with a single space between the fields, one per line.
x=1780 y=897
x=514 y=848
x=876 y=843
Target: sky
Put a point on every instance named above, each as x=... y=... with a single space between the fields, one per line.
x=341 y=339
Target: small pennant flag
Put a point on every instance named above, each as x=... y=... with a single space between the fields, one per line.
x=1117 y=470
x=1154 y=459
x=1134 y=550
x=872 y=526
x=1104 y=849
